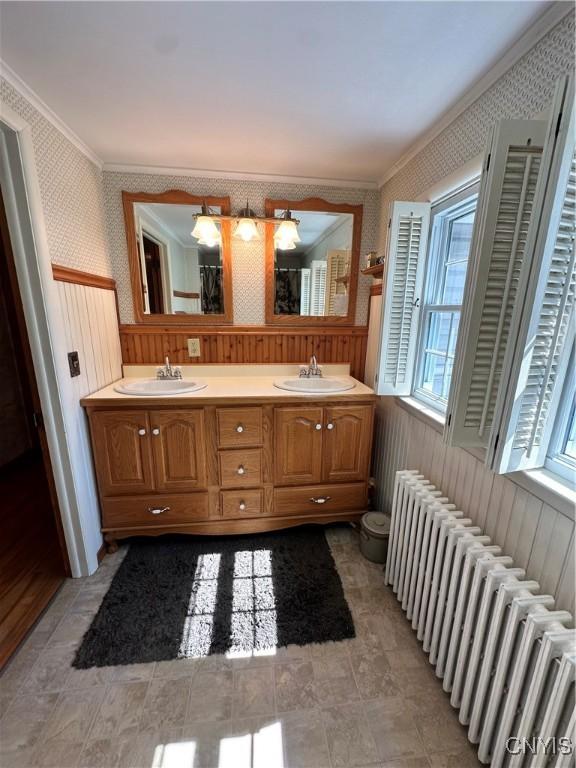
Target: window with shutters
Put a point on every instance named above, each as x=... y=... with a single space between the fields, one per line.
x=452 y=223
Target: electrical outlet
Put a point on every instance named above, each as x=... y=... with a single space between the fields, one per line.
x=193 y=347
x=74 y=364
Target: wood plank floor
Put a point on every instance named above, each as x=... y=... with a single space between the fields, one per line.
x=31 y=569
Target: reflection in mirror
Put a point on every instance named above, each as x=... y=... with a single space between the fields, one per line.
x=312 y=277
x=178 y=275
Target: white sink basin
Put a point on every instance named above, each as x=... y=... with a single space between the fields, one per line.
x=155 y=387
x=320 y=385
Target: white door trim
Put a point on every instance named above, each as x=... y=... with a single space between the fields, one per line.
x=21 y=190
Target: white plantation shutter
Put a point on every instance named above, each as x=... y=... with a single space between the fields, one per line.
x=497 y=255
x=338 y=266
x=305 y=291
x=544 y=320
x=406 y=260
x=317 y=287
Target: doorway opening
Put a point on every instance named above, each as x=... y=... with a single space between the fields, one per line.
x=33 y=559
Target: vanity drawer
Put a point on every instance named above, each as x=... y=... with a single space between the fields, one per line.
x=337 y=498
x=154 y=510
x=239 y=426
x=240 y=469
x=232 y=502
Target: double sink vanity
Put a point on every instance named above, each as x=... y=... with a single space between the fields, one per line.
x=257 y=449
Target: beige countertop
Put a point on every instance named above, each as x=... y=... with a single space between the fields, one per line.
x=227 y=388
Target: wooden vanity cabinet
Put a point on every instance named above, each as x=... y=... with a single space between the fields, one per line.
x=219 y=468
x=316 y=445
x=145 y=451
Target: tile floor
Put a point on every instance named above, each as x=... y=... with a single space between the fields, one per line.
x=371 y=702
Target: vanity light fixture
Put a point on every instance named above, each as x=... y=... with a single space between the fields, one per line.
x=205 y=229
x=246 y=229
x=286 y=236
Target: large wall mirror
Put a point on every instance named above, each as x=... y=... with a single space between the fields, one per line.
x=314 y=280
x=175 y=277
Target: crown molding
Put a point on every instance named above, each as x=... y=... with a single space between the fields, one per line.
x=158 y=170
x=547 y=21
x=32 y=97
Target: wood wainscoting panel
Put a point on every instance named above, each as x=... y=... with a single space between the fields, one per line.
x=245 y=344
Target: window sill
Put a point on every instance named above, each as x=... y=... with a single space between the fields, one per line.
x=428 y=415
x=542 y=483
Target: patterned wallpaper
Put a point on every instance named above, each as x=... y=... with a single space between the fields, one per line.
x=248 y=260
x=522 y=92
x=72 y=193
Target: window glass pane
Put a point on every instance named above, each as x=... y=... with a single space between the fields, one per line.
x=570 y=446
x=433 y=374
x=446 y=266
x=458 y=249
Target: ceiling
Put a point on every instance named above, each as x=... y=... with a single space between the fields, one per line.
x=333 y=90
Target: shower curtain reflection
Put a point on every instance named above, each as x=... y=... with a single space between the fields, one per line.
x=288 y=286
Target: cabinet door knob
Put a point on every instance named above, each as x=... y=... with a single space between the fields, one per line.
x=241 y=470
x=141 y=432
x=318 y=426
x=330 y=426
x=320 y=499
x=239 y=428
x=242 y=506
x=155 y=431
x=158 y=510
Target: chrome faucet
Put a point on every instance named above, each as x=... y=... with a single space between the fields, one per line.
x=312 y=370
x=168 y=372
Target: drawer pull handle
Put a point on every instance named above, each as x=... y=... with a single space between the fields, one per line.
x=241 y=470
x=141 y=432
x=155 y=431
x=320 y=499
x=158 y=510
x=330 y=426
x=242 y=506
x=239 y=428
x=318 y=426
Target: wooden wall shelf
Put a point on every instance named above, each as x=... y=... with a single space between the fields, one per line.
x=376 y=271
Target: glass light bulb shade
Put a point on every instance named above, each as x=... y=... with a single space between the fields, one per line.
x=285 y=245
x=206 y=231
x=246 y=230
x=210 y=243
x=287 y=232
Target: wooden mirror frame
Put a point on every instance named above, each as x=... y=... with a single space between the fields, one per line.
x=312 y=204
x=177 y=197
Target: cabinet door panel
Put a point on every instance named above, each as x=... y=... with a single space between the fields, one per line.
x=298 y=443
x=347 y=443
x=179 y=447
x=121 y=442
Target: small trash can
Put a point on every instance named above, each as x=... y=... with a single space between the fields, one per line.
x=374 y=534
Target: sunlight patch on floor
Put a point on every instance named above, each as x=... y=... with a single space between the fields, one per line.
x=178 y=754
x=197 y=631
x=262 y=749
x=253 y=627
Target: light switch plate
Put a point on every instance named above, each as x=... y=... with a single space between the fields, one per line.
x=193 y=347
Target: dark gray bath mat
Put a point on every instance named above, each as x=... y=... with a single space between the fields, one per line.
x=178 y=597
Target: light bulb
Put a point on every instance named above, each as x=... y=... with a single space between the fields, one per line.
x=246 y=230
x=284 y=245
x=206 y=231
x=286 y=235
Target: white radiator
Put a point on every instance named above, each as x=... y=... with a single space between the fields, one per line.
x=507 y=658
